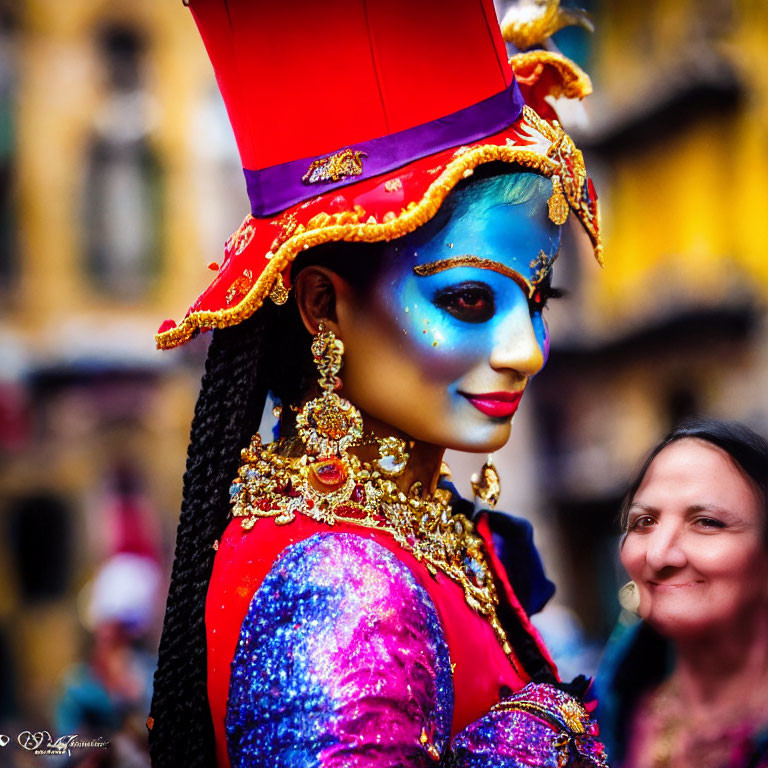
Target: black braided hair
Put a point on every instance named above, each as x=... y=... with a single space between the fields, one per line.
x=231 y=401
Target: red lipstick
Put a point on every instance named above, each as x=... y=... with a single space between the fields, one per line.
x=499 y=405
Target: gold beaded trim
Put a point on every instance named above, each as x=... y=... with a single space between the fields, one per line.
x=272 y=483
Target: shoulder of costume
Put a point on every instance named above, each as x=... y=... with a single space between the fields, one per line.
x=339 y=626
x=512 y=538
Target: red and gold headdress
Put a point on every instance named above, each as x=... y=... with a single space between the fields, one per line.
x=354 y=120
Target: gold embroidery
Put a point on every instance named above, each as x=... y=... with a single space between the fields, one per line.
x=574 y=81
x=242 y=236
x=240 y=286
x=279 y=293
x=557 y=204
x=542 y=265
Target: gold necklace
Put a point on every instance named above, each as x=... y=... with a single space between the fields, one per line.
x=279 y=481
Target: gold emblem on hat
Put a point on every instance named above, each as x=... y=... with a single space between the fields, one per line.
x=339 y=165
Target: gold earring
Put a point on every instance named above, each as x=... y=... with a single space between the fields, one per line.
x=393 y=456
x=629 y=597
x=487 y=485
x=329 y=424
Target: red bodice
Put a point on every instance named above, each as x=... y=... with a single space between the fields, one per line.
x=480 y=666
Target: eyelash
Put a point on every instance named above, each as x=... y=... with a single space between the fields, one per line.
x=479 y=300
x=543 y=295
x=635 y=524
x=710 y=522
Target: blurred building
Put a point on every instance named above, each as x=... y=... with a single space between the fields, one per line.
x=119 y=181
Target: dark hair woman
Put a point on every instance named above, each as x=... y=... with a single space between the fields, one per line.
x=692 y=687
x=331 y=602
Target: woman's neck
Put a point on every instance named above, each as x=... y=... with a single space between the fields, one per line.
x=425 y=459
x=726 y=667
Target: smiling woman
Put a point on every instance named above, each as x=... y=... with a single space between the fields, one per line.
x=334 y=602
x=696 y=548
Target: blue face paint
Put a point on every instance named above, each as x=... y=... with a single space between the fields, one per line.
x=461 y=299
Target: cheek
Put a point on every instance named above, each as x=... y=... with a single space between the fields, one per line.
x=632 y=556
x=541 y=329
x=430 y=337
x=736 y=564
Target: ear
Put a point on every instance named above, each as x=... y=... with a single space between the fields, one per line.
x=317 y=290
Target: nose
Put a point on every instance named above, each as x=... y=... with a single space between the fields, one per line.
x=665 y=548
x=516 y=346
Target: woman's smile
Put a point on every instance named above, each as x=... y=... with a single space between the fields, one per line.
x=661 y=586
x=499 y=405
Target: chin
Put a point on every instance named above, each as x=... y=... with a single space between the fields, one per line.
x=458 y=432
x=486 y=440
x=682 y=623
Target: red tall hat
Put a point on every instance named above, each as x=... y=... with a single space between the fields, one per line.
x=354 y=120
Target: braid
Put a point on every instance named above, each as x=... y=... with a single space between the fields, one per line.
x=228 y=411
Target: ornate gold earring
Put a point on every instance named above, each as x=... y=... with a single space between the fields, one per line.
x=329 y=424
x=487 y=485
x=393 y=456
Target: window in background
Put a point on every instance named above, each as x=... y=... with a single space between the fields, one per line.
x=123 y=185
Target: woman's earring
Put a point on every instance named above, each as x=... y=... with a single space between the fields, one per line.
x=393 y=456
x=629 y=597
x=329 y=424
x=487 y=485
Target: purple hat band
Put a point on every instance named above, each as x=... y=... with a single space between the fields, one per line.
x=278 y=187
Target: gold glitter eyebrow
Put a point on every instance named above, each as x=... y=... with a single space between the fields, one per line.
x=433 y=267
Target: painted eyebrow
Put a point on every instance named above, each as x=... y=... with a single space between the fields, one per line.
x=434 y=267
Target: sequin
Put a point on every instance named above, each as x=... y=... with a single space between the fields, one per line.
x=341 y=661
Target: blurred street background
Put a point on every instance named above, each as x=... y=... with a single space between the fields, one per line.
x=120 y=182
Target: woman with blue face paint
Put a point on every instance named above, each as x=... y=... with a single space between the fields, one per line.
x=441 y=344
x=333 y=601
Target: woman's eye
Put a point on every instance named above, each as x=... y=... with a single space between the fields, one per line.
x=640 y=522
x=709 y=522
x=469 y=302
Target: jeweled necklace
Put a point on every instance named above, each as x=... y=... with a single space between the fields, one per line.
x=272 y=483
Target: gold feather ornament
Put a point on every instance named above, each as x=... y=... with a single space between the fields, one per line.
x=530 y=23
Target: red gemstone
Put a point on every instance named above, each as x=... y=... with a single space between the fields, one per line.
x=327 y=474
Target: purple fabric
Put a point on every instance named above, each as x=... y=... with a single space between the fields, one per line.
x=341 y=662
x=278 y=187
